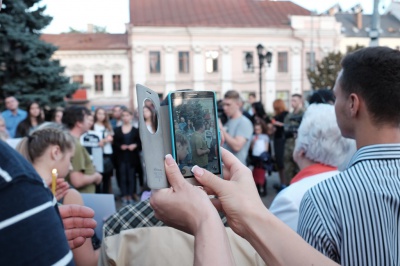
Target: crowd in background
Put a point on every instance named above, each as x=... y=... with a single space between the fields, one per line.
x=264 y=142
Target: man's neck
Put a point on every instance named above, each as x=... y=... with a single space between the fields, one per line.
x=76 y=132
x=297 y=110
x=14 y=112
x=236 y=115
x=377 y=135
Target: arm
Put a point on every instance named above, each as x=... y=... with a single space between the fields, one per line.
x=79 y=179
x=85 y=254
x=248 y=217
x=196 y=216
x=235 y=143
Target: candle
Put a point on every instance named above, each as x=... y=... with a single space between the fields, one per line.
x=54 y=175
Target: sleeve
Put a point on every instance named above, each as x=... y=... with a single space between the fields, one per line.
x=30 y=227
x=285 y=209
x=245 y=129
x=311 y=227
x=78 y=160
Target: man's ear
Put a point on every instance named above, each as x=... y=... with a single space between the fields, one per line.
x=354 y=104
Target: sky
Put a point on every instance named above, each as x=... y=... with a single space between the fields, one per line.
x=114 y=14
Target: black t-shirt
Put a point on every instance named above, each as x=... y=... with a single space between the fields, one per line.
x=279 y=133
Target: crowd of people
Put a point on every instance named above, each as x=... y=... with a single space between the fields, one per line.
x=337 y=159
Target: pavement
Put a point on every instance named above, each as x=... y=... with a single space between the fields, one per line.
x=267 y=200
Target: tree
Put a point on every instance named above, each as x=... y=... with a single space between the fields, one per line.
x=95 y=29
x=26 y=68
x=325 y=73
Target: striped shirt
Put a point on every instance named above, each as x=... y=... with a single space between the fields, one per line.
x=31 y=231
x=354 y=217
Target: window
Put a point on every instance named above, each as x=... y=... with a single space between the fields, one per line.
x=154 y=59
x=212 y=61
x=310 y=60
x=283 y=95
x=116 y=82
x=183 y=62
x=77 y=79
x=98 y=82
x=248 y=62
x=282 y=62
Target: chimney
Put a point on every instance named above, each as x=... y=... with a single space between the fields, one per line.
x=359 y=20
x=90 y=28
x=358 y=11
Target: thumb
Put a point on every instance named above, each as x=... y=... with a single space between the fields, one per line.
x=173 y=173
x=208 y=179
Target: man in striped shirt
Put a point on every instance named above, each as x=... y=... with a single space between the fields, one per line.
x=354 y=217
x=31 y=230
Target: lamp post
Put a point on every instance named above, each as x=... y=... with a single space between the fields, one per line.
x=261 y=57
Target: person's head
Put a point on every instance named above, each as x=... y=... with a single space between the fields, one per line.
x=296 y=102
x=100 y=116
x=126 y=116
x=322 y=96
x=258 y=109
x=57 y=116
x=279 y=106
x=11 y=103
x=34 y=110
x=258 y=129
x=49 y=147
x=116 y=112
x=252 y=97
x=232 y=103
x=182 y=119
x=319 y=139
x=147 y=113
x=199 y=125
x=368 y=89
x=181 y=146
x=77 y=117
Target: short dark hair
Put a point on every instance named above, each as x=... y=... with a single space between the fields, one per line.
x=373 y=73
x=199 y=123
x=322 y=96
x=297 y=95
x=253 y=94
x=73 y=115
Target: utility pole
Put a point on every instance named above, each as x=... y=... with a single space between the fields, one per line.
x=375 y=27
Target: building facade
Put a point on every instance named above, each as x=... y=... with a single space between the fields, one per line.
x=209 y=45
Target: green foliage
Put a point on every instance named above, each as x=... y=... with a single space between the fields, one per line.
x=325 y=72
x=96 y=29
x=26 y=68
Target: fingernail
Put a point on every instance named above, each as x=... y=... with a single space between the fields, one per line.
x=197 y=171
x=170 y=161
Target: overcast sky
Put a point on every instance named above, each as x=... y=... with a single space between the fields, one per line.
x=115 y=14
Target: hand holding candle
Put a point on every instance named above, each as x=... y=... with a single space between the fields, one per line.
x=54 y=175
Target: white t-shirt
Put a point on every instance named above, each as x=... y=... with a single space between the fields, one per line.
x=107 y=149
x=260 y=144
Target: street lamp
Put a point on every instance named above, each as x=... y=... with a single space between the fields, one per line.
x=261 y=57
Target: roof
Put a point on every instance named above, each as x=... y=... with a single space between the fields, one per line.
x=213 y=13
x=87 y=41
x=389 y=24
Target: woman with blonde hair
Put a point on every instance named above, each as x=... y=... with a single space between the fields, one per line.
x=51 y=148
x=279 y=139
